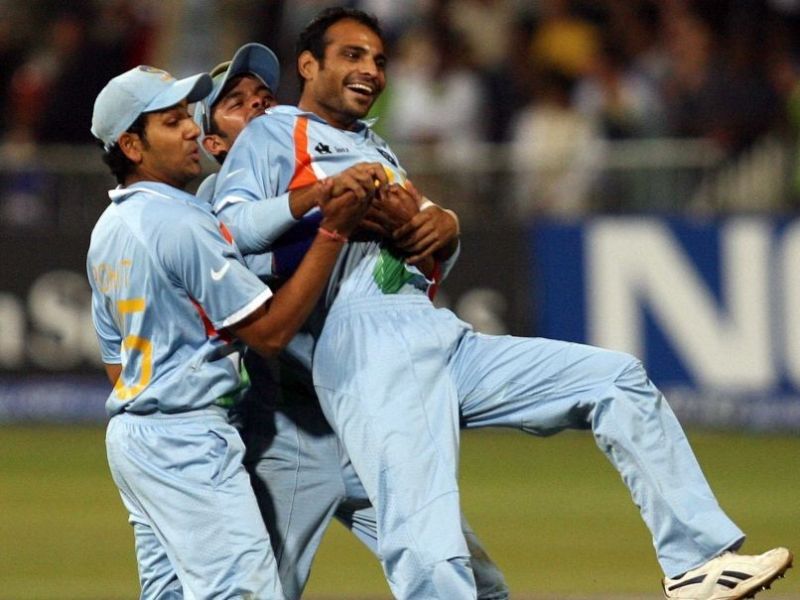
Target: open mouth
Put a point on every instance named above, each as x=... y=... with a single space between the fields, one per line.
x=362 y=89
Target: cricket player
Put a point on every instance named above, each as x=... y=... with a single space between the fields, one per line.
x=396 y=377
x=301 y=473
x=170 y=297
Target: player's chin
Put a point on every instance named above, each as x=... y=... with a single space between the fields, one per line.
x=193 y=167
x=360 y=109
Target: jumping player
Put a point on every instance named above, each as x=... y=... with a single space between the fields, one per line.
x=396 y=376
x=170 y=295
x=301 y=474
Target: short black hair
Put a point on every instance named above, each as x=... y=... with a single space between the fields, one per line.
x=121 y=166
x=313 y=39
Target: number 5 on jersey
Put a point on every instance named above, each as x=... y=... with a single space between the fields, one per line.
x=134 y=343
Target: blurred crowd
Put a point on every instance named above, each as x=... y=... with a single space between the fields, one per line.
x=553 y=78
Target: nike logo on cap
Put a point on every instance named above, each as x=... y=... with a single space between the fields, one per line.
x=219 y=274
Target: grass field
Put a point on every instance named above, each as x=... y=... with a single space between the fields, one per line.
x=552 y=512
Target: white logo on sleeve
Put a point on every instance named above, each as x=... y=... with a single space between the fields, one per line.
x=220 y=273
x=233 y=173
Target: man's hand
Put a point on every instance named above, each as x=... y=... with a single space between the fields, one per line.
x=363 y=180
x=433 y=231
x=393 y=207
x=342 y=213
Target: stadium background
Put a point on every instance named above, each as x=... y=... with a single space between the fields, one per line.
x=626 y=172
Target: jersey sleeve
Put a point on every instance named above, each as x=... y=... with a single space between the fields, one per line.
x=108 y=334
x=209 y=267
x=246 y=195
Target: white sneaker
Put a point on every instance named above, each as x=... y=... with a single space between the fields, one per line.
x=729 y=576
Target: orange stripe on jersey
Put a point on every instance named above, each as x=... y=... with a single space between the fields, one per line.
x=226 y=233
x=303 y=173
x=209 y=328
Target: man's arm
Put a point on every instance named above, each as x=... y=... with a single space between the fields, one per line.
x=248 y=198
x=270 y=328
x=113 y=371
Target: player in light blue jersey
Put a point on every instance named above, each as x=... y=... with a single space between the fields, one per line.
x=396 y=377
x=301 y=473
x=170 y=297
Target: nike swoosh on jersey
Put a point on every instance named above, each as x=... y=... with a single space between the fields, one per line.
x=232 y=173
x=219 y=274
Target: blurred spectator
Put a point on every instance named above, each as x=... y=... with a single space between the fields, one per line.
x=76 y=63
x=556 y=151
x=463 y=72
x=563 y=41
x=81 y=48
x=11 y=53
x=397 y=16
x=487 y=27
x=622 y=102
x=435 y=95
x=638 y=27
x=785 y=79
x=714 y=90
x=498 y=33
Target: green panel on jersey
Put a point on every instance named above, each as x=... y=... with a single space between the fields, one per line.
x=230 y=399
x=390 y=272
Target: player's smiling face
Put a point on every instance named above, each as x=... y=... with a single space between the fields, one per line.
x=244 y=98
x=344 y=86
x=169 y=152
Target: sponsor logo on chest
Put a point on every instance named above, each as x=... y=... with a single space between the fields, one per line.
x=321 y=148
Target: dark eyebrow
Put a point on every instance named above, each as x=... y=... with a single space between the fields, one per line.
x=175 y=111
x=355 y=48
x=361 y=50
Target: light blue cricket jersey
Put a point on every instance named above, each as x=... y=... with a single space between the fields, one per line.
x=166 y=277
x=286 y=149
x=260 y=264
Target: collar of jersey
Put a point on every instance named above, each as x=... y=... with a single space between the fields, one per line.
x=288 y=109
x=119 y=194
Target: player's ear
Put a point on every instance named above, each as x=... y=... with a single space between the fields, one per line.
x=214 y=144
x=131 y=146
x=307 y=65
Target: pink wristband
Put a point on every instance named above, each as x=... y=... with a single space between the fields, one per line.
x=333 y=235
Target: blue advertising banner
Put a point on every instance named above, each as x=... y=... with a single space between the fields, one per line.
x=50 y=367
x=711 y=307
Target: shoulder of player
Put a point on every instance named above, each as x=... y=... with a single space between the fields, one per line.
x=275 y=119
x=263 y=135
x=170 y=211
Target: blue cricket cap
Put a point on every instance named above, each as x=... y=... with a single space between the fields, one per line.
x=140 y=90
x=252 y=59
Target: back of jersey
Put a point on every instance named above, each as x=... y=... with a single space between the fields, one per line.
x=151 y=271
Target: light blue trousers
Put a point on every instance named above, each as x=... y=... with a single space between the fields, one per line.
x=198 y=530
x=397 y=377
x=303 y=479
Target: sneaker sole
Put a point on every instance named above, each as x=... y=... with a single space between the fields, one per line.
x=764 y=583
